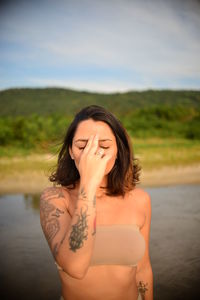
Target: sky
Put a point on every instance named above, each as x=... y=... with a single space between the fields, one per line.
x=100 y=45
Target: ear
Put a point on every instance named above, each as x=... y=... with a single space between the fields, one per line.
x=70 y=153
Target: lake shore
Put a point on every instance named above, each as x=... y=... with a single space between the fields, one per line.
x=32 y=182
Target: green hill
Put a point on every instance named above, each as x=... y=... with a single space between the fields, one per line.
x=33 y=118
x=47 y=101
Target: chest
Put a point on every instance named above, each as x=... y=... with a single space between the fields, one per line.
x=114 y=210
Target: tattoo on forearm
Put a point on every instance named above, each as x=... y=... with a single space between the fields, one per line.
x=50 y=215
x=79 y=231
x=94 y=226
x=142 y=289
x=82 y=194
x=94 y=201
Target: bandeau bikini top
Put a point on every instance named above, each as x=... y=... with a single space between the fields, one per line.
x=117 y=245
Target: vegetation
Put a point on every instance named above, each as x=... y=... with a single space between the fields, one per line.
x=40 y=132
x=164 y=125
x=15 y=102
x=153 y=153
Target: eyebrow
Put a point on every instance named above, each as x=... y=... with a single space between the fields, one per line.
x=85 y=140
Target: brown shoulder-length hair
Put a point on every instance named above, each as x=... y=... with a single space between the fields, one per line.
x=125 y=173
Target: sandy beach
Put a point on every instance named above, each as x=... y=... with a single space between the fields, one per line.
x=171 y=176
x=35 y=181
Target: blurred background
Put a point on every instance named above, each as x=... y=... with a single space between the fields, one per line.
x=138 y=59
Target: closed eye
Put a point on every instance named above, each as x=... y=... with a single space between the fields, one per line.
x=80 y=148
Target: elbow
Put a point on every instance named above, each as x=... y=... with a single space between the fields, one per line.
x=77 y=274
x=73 y=271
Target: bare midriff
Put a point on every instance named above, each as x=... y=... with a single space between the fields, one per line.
x=114 y=282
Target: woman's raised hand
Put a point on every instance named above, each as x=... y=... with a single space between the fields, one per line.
x=93 y=161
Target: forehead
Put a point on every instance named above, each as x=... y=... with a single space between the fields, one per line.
x=90 y=127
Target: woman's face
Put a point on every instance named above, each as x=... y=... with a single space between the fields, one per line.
x=107 y=141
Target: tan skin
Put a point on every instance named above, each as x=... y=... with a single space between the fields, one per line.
x=104 y=281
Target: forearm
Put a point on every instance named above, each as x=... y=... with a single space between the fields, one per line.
x=144 y=280
x=77 y=246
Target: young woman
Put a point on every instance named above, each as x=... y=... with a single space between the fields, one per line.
x=96 y=222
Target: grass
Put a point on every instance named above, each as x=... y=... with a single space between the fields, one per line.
x=153 y=153
x=156 y=153
x=20 y=164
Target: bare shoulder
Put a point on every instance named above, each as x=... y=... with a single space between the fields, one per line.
x=139 y=193
x=54 y=195
x=141 y=196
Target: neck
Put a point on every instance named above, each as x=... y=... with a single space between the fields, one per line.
x=101 y=189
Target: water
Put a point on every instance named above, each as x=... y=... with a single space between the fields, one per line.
x=27 y=268
x=175 y=241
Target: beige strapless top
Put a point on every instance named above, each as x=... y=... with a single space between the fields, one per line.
x=118 y=245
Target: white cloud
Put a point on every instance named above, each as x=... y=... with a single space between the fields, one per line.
x=159 y=40
x=106 y=86
x=87 y=85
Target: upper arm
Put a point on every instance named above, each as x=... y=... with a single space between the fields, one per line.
x=145 y=231
x=54 y=217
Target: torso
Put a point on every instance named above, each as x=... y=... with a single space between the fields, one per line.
x=106 y=281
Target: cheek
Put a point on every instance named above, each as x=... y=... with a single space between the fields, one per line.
x=77 y=155
x=111 y=163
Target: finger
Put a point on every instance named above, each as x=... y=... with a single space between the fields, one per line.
x=89 y=143
x=94 y=145
x=100 y=152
